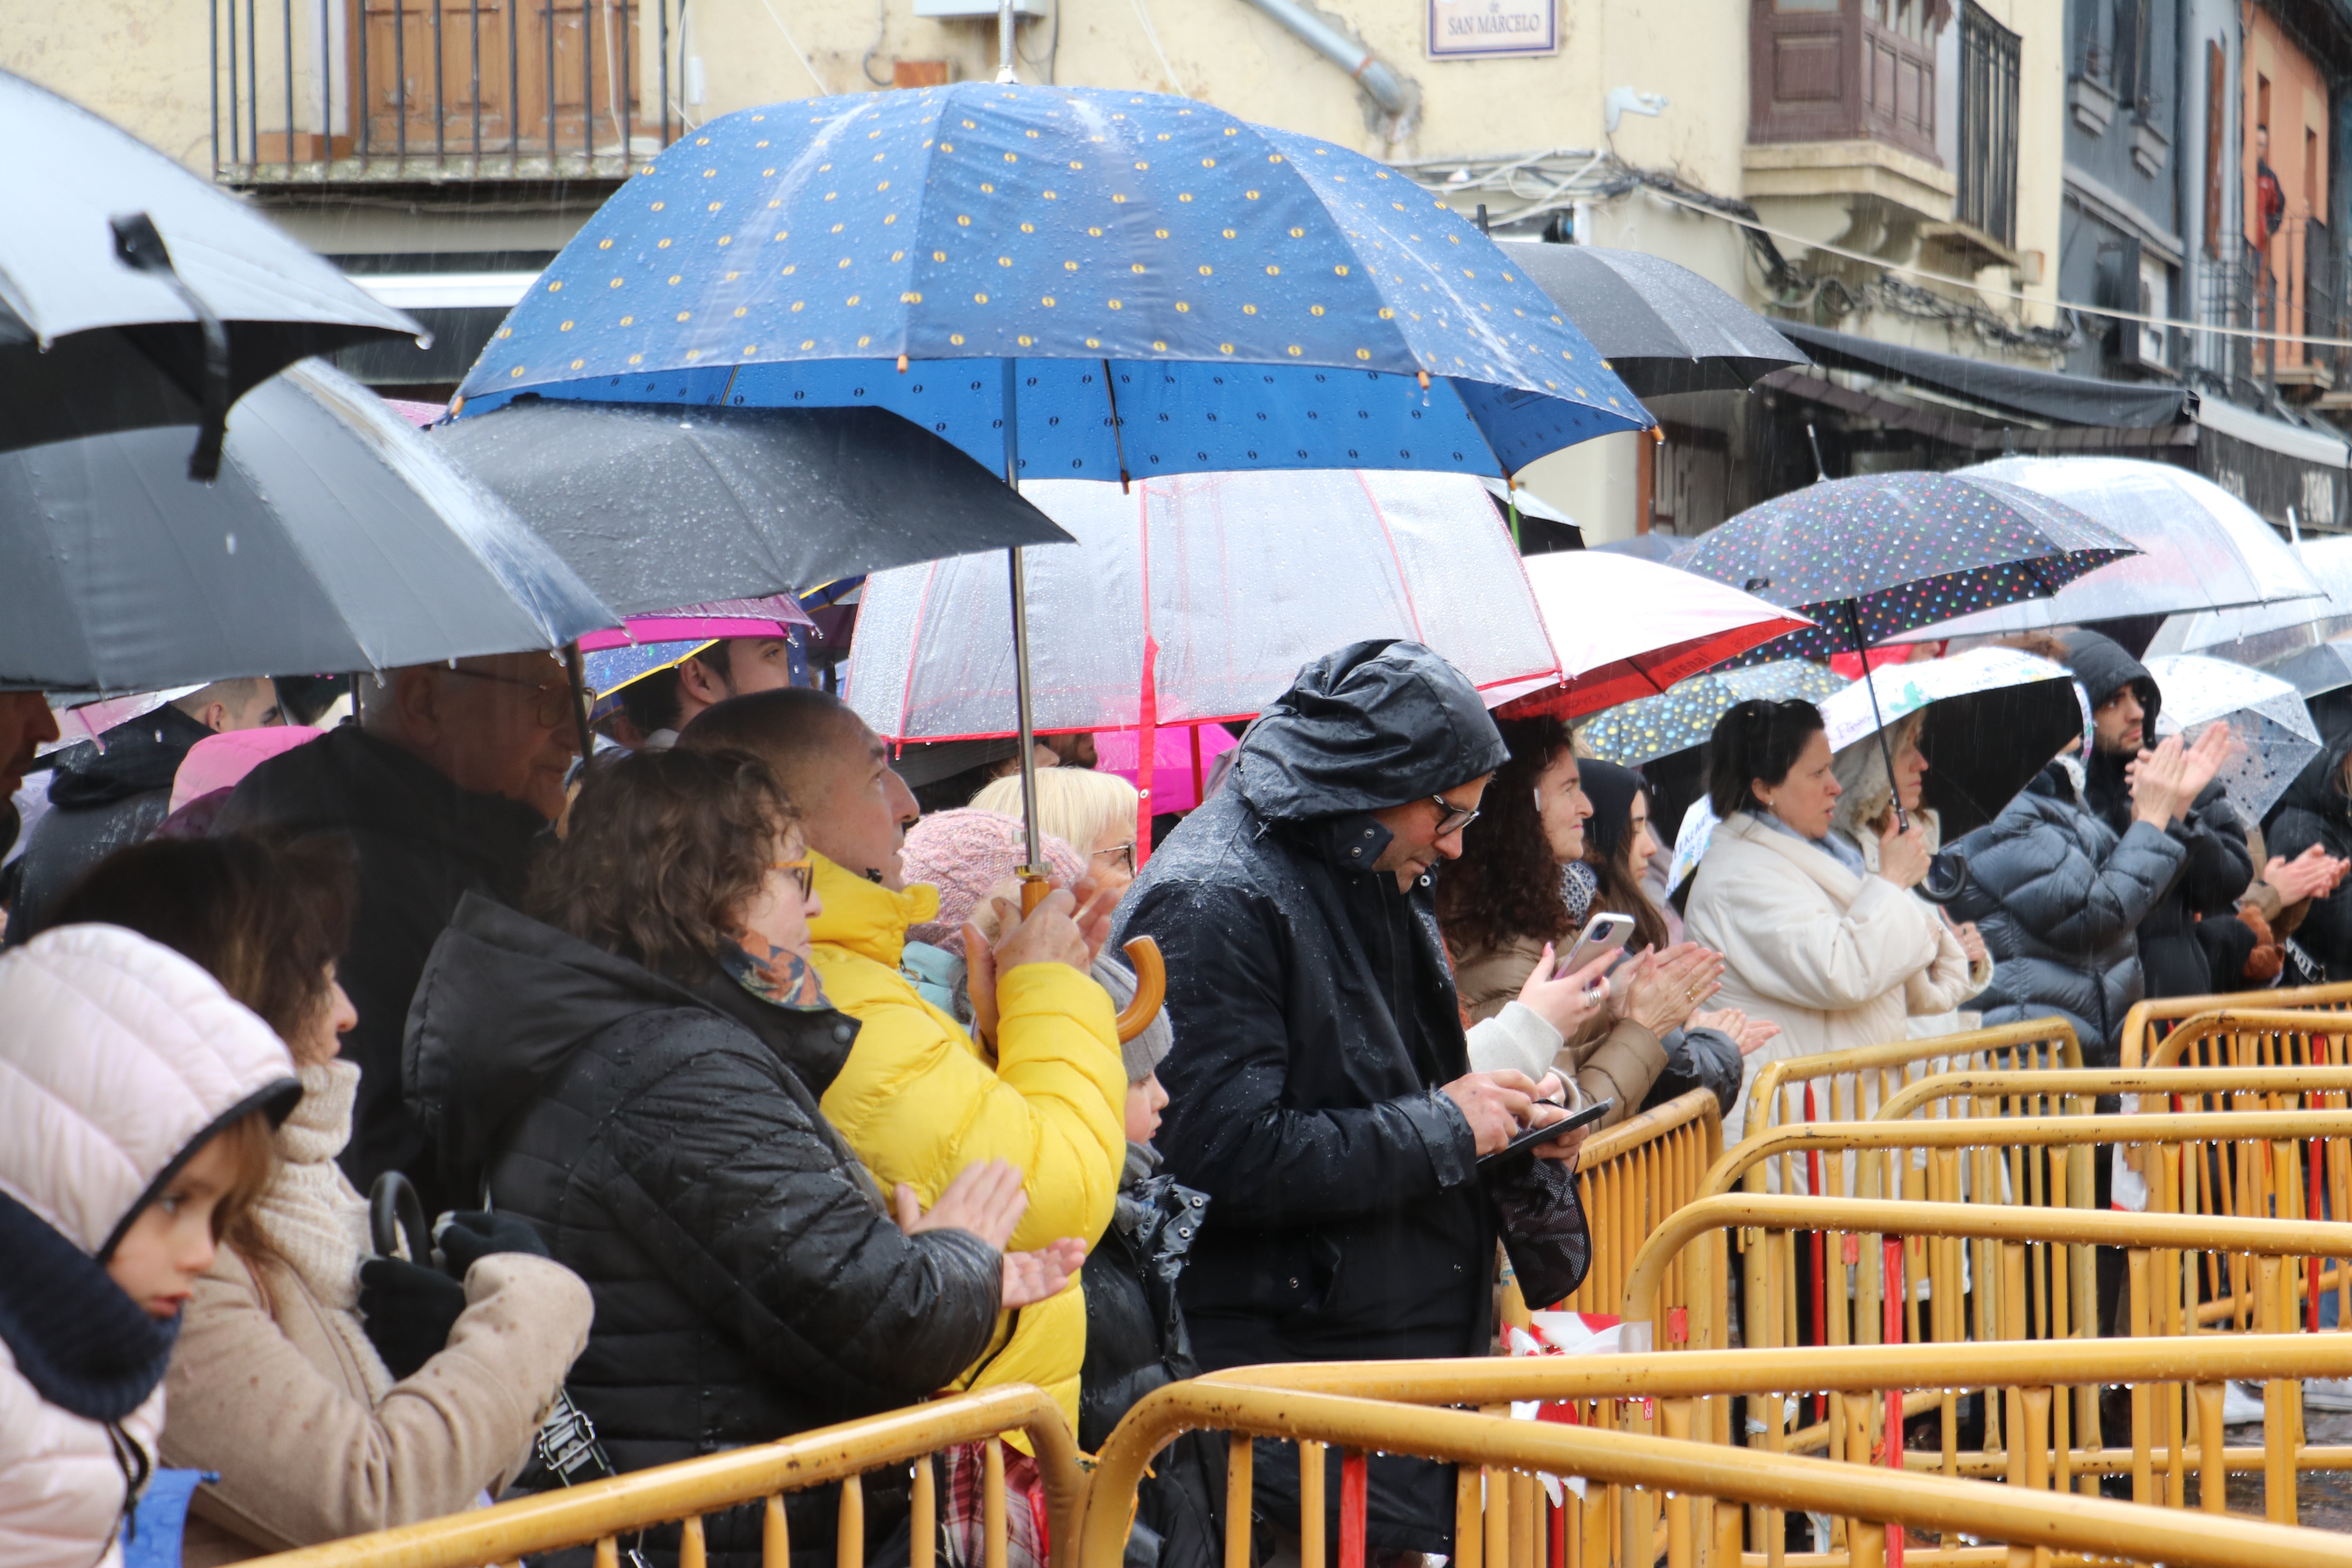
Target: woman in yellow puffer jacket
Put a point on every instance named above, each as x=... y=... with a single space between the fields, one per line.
x=919 y=1099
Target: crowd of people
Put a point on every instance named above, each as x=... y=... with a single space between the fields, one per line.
x=745 y=1097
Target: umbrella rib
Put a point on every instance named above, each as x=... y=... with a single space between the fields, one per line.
x=1404 y=585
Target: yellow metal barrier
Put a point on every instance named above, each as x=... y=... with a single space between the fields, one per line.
x=1847 y=1086
x=601 y=1511
x=1702 y=1487
x=2015 y=1093
x=1631 y=1177
x=2149 y=1022
x=2162 y=1296
x=2253 y=1036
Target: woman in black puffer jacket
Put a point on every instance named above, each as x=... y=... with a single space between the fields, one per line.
x=639 y=1077
x=2058 y=898
x=2315 y=810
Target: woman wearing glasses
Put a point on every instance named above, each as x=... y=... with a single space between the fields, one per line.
x=1836 y=952
x=636 y=1073
x=1093 y=811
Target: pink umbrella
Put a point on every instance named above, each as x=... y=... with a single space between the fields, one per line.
x=1181 y=759
x=764 y=617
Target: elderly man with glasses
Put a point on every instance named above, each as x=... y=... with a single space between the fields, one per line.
x=443 y=786
x=1319 y=1089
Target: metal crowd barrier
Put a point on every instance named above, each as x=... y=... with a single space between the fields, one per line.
x=601 y=1513
x=1504 y=1520
x=2017 y=1296
x=2148 y=1022
x=1848 y=1086
x=1630 y=1177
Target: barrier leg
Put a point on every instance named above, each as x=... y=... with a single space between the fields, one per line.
x=2143 y=1466
x=776 y=1536
x=1681 y=1533
x=690 y=1549
x=1469 y=1528
x=991 y=1510
x=1241 y=1454
x=1354 y=1502
x=2212 y=1475
x=1310 y=1507
x=922 y=1525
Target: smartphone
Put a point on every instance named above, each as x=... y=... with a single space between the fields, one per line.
x=1604 y=932
x=1551 y=1130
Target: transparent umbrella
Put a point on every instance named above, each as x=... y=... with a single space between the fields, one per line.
x=2264 y=634
x=2200 y=548
x=2275 y=735
x=1193 y=599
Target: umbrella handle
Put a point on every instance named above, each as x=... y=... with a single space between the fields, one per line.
x=1150 y=988
x=1142 y=956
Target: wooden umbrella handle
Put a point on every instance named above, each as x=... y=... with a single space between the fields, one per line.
x=1150 y=988
x=1142 y=956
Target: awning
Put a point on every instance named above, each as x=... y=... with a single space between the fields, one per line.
x=2273 y=434
x=2040 y=393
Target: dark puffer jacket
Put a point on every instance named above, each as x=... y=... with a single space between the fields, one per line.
x=422 y=845
x=664 y=1140
x=1316 y=1022
x=2314 y=810
x=2216 y=867
x=2057 y=897
x=98 y=801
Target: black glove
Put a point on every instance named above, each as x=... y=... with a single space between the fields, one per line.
x=408 y=1310
x=472 y=1235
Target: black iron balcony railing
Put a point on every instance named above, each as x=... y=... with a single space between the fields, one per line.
x=370 y=92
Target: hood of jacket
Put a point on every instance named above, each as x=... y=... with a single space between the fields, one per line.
x=1373 y=724
x=353 y=781
x=2102 y=667
x=505 y=999
x=118 y=1058
x=866 y=918
x=2319 y=788
x=141 y=756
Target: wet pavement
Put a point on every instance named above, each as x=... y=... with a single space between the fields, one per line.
x=2324 y=1498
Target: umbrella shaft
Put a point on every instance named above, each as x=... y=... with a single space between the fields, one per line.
x=1036 y=862
x=1885 y=747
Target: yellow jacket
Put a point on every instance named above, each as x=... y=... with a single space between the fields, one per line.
x=918 y=1099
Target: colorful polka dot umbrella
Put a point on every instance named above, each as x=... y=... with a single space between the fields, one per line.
x=1674 y=720
x=1061 y=281
x=1168 y=289
x=1870 y=557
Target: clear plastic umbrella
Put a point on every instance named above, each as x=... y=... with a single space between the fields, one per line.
x=2200 y=548
x=1195 y=598
x=2263 y=634
x=2275 y=735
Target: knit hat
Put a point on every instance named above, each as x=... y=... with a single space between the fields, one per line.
x=964 y=853
x=1144 y=1053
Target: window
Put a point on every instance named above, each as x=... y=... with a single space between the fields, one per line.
x=1987 y=172
x=1856 y=70
x=2135 y=59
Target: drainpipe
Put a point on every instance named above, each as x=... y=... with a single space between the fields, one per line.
x=1396 y=95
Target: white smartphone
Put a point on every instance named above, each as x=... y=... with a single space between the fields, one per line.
x=1604 y=932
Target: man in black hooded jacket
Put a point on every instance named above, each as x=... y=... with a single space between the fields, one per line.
x=2217 y=866
x=1320 y=1087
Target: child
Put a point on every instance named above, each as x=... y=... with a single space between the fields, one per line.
x=1135 y=1329
x=136 y=1102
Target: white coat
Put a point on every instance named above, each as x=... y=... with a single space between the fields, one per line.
x=1837 y=961
x=116 y=1056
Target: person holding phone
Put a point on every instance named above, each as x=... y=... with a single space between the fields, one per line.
x=1516 y=910
x=1836 y=954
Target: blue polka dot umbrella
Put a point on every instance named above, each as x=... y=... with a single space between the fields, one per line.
x=1872 y=557
x=1062 y=281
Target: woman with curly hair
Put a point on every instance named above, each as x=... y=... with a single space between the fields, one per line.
x=1516 y=901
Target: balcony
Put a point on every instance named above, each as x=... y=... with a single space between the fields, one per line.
x=371 y=92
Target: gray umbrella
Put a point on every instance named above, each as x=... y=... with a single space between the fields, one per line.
x=335 y=539
x=1662 y=328
x=133 y=294
x=658 y=506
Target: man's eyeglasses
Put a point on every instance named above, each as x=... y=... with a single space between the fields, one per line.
x=1125 y=853
x=1451 y=818
x=551 y=705
x=803 y=872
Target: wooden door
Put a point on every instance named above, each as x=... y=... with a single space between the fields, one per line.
x=523 y=77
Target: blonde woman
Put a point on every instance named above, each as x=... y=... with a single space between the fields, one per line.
x=1864 y=811
x=1093 y=811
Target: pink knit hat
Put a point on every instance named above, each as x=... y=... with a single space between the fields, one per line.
x=965 y=853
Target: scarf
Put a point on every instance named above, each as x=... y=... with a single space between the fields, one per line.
x=780 y=977
x=310 y=1217
x=1578 y=884
x=1836 y=845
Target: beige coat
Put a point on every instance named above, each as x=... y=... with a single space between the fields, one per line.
x=279 y=1407
x=1837 y=961
x=1620 y=1063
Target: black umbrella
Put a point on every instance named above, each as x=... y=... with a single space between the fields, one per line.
x=1872 y=557
x=1662 y=328
x=657 y=505
x=335 y=539
x=133 y=294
